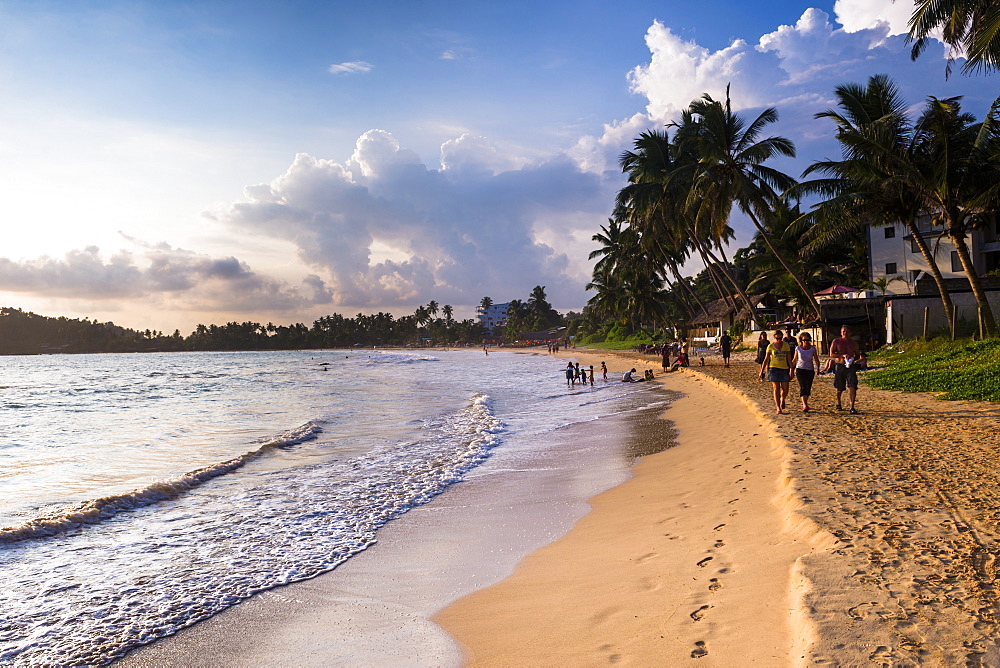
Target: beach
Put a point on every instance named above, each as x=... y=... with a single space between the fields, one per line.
x=876 y=544
x=755 y=539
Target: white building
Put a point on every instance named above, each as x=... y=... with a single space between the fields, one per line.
x=893 y=253
x=492 y=318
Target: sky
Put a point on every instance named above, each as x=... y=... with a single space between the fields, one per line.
x=164 y=164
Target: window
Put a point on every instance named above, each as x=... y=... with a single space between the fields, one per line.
x=956 y=264
x=914 y=248
x=890 y=232
x=890 y=268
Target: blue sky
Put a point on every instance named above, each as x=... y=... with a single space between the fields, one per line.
x=164 y=164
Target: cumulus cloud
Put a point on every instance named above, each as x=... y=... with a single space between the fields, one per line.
x=161 y=272
x=857 y=15
x=352 y=67
x=456 y=234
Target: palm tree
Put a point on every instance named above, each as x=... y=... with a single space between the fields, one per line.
x=876 y=137
x=432 y=308
x=970 y=27
x=655 y=204
x=958 y=178
x=421 y=315
x=448 y=313
x=882 y=284
x=485 y=303
x=731 y=170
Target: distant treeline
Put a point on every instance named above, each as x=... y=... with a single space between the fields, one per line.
x=24 y=333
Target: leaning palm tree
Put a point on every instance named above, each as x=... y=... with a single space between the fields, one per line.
x=731 y=170
x=656 y=203
x=876 y=138
x=969 y=27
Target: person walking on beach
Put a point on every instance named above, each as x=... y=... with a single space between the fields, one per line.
x=805 y=364
x=604 y=370
x=591 y=375
x=762 y=344
x=775 y=363
x=665 y=354
x=685 y=350
x=570 y=375
x=726 y=348
x=845 y=356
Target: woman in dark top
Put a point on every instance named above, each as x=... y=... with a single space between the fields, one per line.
x=762 y=344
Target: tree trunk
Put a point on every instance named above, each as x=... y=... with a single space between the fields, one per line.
x=989 y=322
x=784 y=263
x=713 y=276
x=751 y=309
x=935 y=272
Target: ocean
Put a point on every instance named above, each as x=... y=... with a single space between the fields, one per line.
x=142 y=493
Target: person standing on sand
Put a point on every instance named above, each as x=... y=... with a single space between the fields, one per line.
x=845 y=356
x=762 y=344
x=685 y=349
x=726 y=348
x=665 y=353
x=775 y=363
x=805 y=364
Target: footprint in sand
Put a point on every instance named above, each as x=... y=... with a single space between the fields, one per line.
x=704 y=562
x=715 y=586
x=698 y=614
x=720 y=543
x=733 y=501
x=646 y=557
x=700 y=650
x=718 y=527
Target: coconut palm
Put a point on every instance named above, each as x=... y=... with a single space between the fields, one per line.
x=656 y=204
x=957 y=177
x=876 y=136
x=448 y=312
x=432 y=308
x=969 y=27
x=882 y=283
x=731 y=170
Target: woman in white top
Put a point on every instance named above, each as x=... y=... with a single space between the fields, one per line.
x=805 y=364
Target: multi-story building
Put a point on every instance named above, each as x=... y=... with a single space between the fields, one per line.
x=894 y=254
x=492 y=318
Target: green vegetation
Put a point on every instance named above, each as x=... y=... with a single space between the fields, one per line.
x=24 y=333
x=951 y=369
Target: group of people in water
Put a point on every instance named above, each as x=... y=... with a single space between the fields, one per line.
x=575 y=374
x=783 y=359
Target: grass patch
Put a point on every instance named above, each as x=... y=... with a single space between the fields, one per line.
x=950 y=369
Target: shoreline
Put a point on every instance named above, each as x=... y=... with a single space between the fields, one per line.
x=696 y=557
x=375 y=608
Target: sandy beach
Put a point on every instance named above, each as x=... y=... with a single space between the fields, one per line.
x=864 y=539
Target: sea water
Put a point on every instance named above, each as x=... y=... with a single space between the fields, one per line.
x=142 y=493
